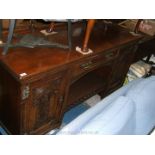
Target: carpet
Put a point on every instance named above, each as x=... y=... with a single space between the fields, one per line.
x=74 y=112
x=71 y=115
x=2 y=131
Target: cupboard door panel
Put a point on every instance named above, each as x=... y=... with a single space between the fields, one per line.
x=45 y=105
x=121 y=66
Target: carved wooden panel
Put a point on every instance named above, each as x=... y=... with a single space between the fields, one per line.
x=45 y=104
x=42 y=99
x=121 y=66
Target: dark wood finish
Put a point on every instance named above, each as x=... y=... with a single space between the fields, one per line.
x=93 y=62
x=146 y=48
x=120 y=67
x=55 y=79
x=10 y=96
x=83 y=89
x=46 y=102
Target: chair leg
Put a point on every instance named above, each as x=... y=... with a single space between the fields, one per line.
x=1 y=29
x=90 y=26
x=148 y=58
x=69 y=34
x=32 y=25
x=10 y=34
x=51 y=27
x=137 y=25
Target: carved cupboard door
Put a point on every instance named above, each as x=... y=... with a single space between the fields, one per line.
x=121 y=66
x=45 y=105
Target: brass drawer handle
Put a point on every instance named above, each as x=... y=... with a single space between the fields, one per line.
x=87 y=65
x=109 y=55
x=112 y=54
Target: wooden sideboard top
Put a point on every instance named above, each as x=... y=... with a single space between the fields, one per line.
x=33 y=61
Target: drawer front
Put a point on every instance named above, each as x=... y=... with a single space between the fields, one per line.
x=93 y=62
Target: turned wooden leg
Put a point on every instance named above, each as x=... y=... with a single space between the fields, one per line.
x=137 y=25
x=32 y=25
x=51 y=27
x=90 y=26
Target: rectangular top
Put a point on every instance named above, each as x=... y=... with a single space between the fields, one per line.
x=27 y=62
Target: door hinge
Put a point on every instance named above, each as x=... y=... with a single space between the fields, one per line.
x=25 y=92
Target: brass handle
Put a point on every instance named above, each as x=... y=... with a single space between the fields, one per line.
x=87 y=65
x=112 y=54
x=109 y=55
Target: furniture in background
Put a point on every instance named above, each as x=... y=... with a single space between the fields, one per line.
x=11 y=28
x=146 y=48
x=90 y=25
x=130 y=110
x=12 y=24
x=39 y=85
x=10 y=35
x=142 y=26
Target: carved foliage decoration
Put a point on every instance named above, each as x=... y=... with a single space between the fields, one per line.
x=43 y=100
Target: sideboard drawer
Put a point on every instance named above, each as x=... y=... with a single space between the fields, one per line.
x=93 y=62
